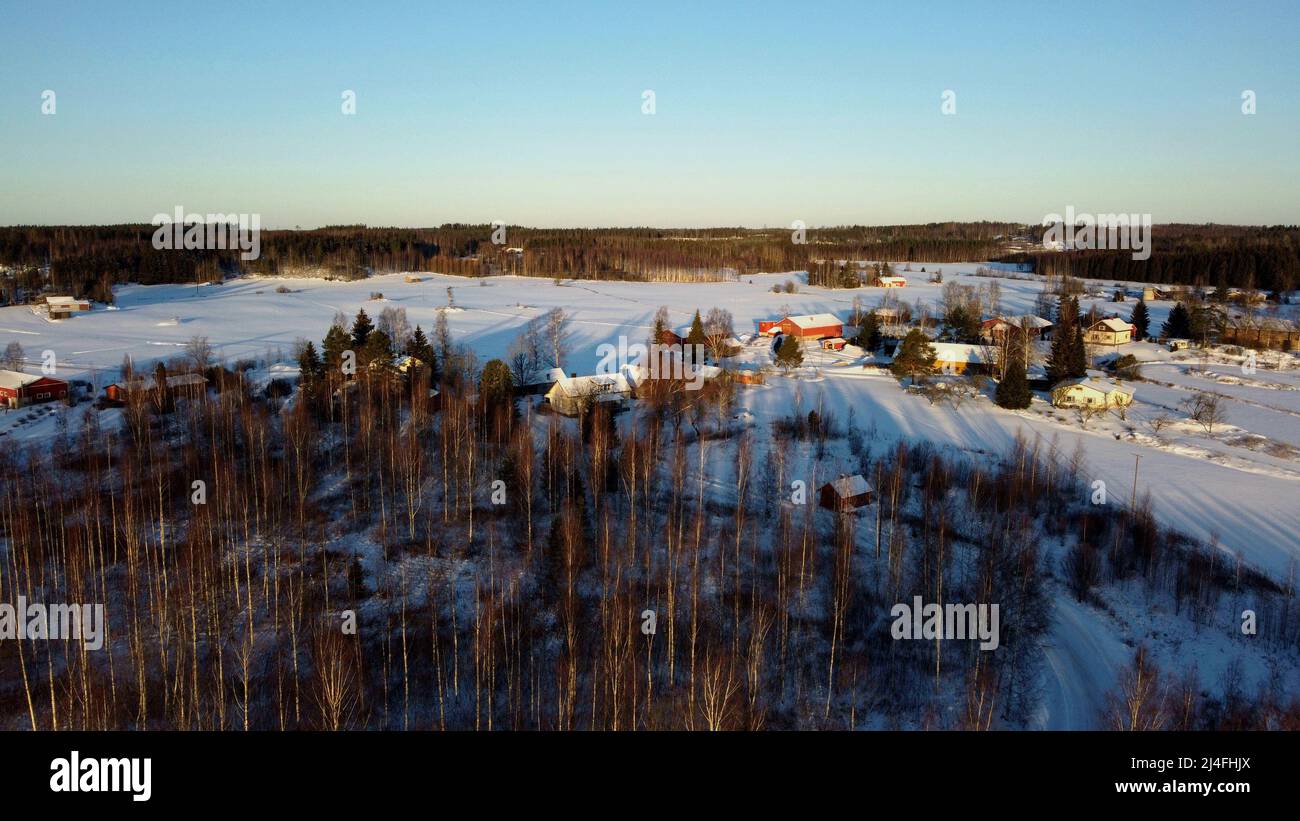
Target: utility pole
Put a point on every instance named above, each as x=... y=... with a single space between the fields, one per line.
x=1137 y=458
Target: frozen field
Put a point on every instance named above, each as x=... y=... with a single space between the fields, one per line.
x=1238 y=486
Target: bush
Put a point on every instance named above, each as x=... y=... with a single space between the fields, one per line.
x=1126 y=366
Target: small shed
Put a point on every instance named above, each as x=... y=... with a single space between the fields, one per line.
x=846 y=494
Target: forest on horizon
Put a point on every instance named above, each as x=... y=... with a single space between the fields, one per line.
x=89 y=260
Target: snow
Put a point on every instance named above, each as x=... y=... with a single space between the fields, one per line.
x=1237 y=486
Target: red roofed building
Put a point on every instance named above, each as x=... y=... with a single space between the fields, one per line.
x=807 y=326
x=18 y=389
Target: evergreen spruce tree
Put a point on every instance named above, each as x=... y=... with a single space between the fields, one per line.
x=868 y=337
x=1060 y=361
x=337 y=340
x=789 y=354
x=914 y=356
x=1013 y=389
x=496 y=386
x=694 y=337
x=361 y=329
x=1078 y=350
x=310 y=370
x=418 y=346
x=1179 y=323
x=1140 y=320
x=378 y=348
x=309 y=363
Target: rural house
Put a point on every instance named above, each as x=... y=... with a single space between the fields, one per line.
x=570 y=395
x=62 y=307
x=846 y=493
x=1091 y=392
x=18 y=389
x=1109 y=331
x=957 y=358
x=805 y=326
x=888 y=282
x=181 y=384
x=996 y=329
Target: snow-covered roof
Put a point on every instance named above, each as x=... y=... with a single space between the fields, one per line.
x=70 y=301
x=555 y=374
x=1029 y=320
x=178 y=381
x=894 y=279
x=13 y=380
x=639 y=372
x=1114 y=324
x=814 y=320
x=1026 y=321
x=1096 y=383
x=959 y=352
x=595 y=385
x=847 y=487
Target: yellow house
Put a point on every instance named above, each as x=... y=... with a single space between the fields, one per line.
x=1109 y=332
x=955 y=358
x=1091 y=392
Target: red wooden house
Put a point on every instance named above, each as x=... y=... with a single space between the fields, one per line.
x=18 y=389
x=808 y=326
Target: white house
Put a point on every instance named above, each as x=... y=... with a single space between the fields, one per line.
x=1091 y=392
x=571 y=394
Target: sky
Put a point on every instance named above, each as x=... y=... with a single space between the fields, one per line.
x=534 y=113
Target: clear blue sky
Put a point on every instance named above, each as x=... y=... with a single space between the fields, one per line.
x=765 y=113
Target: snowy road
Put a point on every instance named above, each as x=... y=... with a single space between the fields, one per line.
x=1083 y=663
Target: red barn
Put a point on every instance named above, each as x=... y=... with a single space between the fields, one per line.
x=18 y=389
x=807 y=326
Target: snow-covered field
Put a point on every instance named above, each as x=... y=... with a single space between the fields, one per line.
x=1238 y=486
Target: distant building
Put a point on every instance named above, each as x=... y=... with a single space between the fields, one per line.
x=182 y=384
x=804 y=326
x=1110 y=331
x=407 y=363
x=18 y=389
x=846 y=493
x=889 y=282
x=834 y=343
x=62 y=307
x=1091 y=392
x=996 y=329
